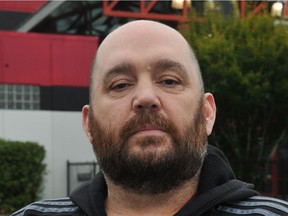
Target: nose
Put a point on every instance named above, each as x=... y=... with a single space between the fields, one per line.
x=145 y=98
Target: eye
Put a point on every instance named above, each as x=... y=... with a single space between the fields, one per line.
x=170 y=82
x=119 y=86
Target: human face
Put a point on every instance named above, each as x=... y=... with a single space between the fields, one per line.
x=148 y=69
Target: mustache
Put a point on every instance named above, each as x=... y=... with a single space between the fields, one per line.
x=142 y=119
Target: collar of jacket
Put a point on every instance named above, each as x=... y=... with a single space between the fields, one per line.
x=217 y=185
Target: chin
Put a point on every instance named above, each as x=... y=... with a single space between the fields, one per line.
x=156 y=145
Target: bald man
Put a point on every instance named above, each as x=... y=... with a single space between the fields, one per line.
x=148 y=121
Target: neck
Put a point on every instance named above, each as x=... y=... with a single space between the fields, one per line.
x=124 y=202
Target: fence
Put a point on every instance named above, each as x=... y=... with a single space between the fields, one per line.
x=80 y=172
x=275 y=176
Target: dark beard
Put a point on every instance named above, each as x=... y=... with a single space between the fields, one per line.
x=151 y=174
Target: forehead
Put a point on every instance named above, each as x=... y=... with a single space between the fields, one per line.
x=142 y=43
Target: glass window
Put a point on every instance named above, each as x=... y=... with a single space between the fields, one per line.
x=19 y=96
x=27 y=106
x=10 y=96
x=27 y=97
x=10 y=88
x=27 y=89
x=18 y=89
x=18 y=105
x=10 y=105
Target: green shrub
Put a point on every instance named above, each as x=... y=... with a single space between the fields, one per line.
x=21 y=173
x=244 y=64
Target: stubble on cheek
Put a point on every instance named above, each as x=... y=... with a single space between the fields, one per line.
x=100 y=136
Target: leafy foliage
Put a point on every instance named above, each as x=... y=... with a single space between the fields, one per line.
x=245 y=65
x=22 y=170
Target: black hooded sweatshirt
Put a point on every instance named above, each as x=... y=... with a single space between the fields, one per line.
x=219 y=193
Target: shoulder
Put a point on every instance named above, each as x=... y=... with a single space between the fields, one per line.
x=256 y=205
x=51 y=207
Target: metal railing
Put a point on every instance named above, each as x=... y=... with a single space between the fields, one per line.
x=80 y=172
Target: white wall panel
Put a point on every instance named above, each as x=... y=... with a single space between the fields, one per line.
x=69 y=142
x=60 y=133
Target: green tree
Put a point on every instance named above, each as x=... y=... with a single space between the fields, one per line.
x=245 y=65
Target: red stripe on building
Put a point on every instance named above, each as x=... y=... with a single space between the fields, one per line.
x=48 y=60
x=22 y=6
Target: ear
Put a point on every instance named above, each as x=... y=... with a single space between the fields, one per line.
x=85 y=122
x=209 y=112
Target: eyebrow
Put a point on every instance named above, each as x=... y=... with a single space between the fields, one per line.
x=165 y=64
x=123 y=68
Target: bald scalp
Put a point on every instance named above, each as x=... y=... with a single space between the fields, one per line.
x=137 y=26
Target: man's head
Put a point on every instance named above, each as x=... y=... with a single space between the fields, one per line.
x=148 y=118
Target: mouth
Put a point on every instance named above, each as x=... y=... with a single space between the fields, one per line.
x=149 y=130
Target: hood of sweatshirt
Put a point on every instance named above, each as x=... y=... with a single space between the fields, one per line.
x=217 y=185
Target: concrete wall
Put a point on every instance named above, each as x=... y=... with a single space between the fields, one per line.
x=61 y=134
